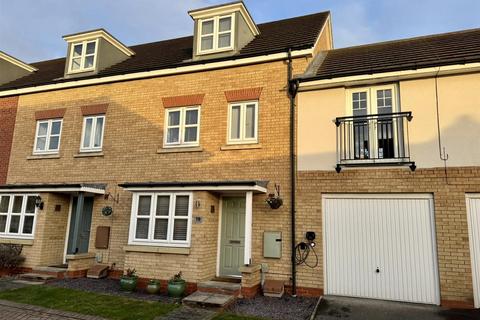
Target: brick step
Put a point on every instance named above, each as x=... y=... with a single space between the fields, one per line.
x=220 y=287
x=35 y=277
x=213 y=301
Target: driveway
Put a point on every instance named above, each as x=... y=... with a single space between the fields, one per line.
x=333 y=307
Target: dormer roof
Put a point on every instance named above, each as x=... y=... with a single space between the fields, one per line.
x=17 y=62
x=96 y=34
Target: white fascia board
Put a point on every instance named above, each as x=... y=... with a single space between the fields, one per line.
x=377 y=196
x=17 y=62
x=159 y=73
x=257 y=189
x=92 y=35
x=306 y=85
x=53 y=190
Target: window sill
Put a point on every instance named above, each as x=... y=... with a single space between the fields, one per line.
x=155 y=249
x=86 y=154
x=179 y=149
x=241 y=146
x=43 y=156
x=25 y=242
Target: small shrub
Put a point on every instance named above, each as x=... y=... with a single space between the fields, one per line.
x=10 y=256
x=177 y=277
x=130 y=273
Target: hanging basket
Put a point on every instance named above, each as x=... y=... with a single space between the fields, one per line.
x=274 y=202
x=107 y=211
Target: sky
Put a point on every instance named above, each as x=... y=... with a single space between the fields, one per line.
x=32 y=30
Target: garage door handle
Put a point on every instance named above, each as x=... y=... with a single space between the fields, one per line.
x=377 y=270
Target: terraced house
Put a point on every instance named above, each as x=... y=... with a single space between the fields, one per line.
x=160 y=156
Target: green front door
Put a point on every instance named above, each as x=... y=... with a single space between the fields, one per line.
x=85 y=221
x=232 y=243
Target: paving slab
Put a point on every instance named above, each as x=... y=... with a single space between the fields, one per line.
x=189 y=313
x=208 y=299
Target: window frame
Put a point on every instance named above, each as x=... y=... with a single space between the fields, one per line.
x=23 y=214
x=91 y=147
x=243 y=108
x=216 y=33
x=169 y=242
x=48 y=136
x=181 y=134
x=83 y=56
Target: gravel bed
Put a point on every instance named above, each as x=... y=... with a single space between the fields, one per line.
x=110 y=287
x=285 y=308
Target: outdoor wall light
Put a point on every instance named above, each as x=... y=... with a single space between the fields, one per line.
x=39 y=202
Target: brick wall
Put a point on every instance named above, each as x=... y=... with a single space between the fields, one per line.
x=8 y=111
x=450 y=216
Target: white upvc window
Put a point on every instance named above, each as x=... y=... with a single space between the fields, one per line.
x=182 y=127
x=17 y=215
x=216 y=34
x=92 y=133
x=243 y=122
x=47 y=137
x=83 y=56
x=161 y=219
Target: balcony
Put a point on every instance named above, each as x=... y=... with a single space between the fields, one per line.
x=374 y=140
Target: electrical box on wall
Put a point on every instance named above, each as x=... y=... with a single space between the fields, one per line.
x=272 y=244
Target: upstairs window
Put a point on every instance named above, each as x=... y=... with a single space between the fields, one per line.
x=182 y=127
x=92 y=133
x=17 y=215
x=83 y=56
x=47 y=138
x=216 y=34
x=243 y=122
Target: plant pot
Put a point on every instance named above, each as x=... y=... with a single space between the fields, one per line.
x=153 y=287
x=128 y=283
x=176 y=288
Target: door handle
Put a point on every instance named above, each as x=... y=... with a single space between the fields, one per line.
x=234 y=241
x=377 y=270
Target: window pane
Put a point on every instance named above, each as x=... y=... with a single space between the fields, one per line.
x=225 y=24
x=144 y=203
x=89 y=61
x=174 y=118
x=207 y=43
x=76 y=63
x=54 y=141
x=4 y=203
x=142 y=229
x=88 y=132
x=17 y=204
x=90 y=47
x=42 y=129
x=161 y=229
x=191 y=134
x=30 y=208
x=207 y=27
x=181 y=206
x=173 y=135
x=180 y=229
x=14 y=224
x=77 y=50
x=28 y=225
x=41 y=142
x=3 y=223
x=191 y=117
x=56 y=126
x=163 y=205
x=235 y=123
x=224 y=40
x=250 y=121
x=98 y=133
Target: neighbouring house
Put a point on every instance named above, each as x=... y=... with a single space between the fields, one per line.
x=389 y=169
x=159 y=156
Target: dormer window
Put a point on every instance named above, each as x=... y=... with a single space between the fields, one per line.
x=83 y=56
x=216 y=34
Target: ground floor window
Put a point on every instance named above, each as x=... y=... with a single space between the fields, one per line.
x=161 y=219
x=17 y=215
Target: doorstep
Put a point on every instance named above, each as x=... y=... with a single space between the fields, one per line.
x=209 y=300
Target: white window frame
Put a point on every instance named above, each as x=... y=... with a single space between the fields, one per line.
x=48 y=136
x=132 y=240
x=216 y=33
x=23 y=214
x=243 y=108
x=181 y=126
x=91 y=147
x=83 y=56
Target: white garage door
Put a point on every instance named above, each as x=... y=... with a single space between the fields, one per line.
x=473 y=207
x=381 y=247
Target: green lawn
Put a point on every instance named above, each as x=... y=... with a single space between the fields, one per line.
x=107 y=306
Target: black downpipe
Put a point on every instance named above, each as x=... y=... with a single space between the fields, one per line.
x=292 y=91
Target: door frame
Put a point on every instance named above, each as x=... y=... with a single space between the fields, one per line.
x=474 y=251
x=67 y=232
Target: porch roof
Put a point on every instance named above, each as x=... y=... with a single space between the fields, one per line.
x=241 y=185
x=54 y=188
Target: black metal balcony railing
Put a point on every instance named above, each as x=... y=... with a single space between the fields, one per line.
x=376 y=139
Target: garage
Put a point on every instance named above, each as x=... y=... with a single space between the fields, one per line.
x=473 y=209
x=380 y=246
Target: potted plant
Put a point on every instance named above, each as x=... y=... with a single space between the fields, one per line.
x=128 y=282
x=176 y=286
x=153 y=286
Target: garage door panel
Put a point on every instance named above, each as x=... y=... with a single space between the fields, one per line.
x=394 y=235
x=473 y=207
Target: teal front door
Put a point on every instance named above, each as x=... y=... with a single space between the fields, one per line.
x=85 y=222
x=232 y=242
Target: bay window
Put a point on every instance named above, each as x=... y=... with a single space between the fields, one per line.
x=17 y=215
